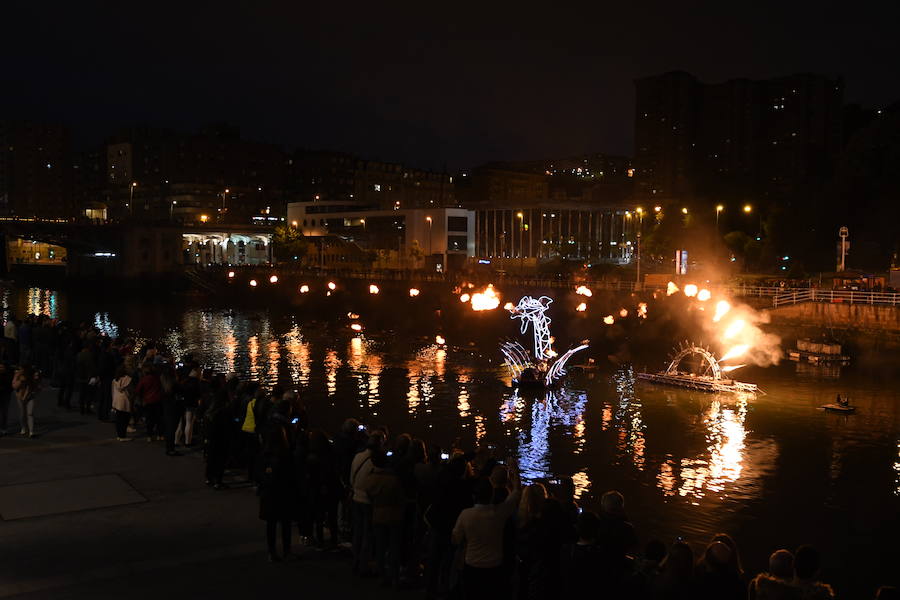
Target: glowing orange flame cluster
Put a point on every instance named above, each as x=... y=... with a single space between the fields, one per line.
x=373 y=289
x=413 y=292
x=485 y=300
x=583 y=290
x=581 y=307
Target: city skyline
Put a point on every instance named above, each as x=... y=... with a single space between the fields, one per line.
x=434 y=91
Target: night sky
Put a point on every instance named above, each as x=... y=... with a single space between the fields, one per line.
x=432 y=84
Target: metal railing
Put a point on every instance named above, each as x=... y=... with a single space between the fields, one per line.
x=788 y=297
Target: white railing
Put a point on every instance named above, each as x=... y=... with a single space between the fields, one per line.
x=788 y=297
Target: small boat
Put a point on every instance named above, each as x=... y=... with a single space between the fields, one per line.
x=838 y=408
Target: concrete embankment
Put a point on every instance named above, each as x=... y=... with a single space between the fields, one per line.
x=863 y=326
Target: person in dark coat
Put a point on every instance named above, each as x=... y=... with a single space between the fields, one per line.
x=324 y=488
x=217 y=432
x=277 y=486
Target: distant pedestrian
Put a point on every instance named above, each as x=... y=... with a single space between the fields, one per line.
x=122 y=402
x=6 y=378
x=25 y=385
x=149 y=391
x=277 y=485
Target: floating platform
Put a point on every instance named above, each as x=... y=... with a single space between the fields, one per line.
x=838 y=408
x=700 y=383
x=818 y=353
x=818 y=358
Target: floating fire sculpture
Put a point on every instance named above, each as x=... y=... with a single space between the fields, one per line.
x=544 y=367
x=707 y=377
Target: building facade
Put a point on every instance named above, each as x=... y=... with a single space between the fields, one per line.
x=440 y=238
x=550 y=231
x=35 y=170
x=741 y=138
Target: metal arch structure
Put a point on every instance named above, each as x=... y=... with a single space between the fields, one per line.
x=531 y=310
x=713 y=370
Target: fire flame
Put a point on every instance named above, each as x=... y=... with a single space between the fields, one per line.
x=509 y=306
x=464 y=298
x=356 y=327
x=413 y=292
x=439 y=340
x=642 y=310
x=252 y=283
x=704 y=295
x=733 y=329
x=738 y=350
x=230 y=274
x=732 y=368
x=304 y=289
x=581 y=307
x=373 y=289
x=671 y=289
x=584 y=290
x=273 y=279
x=352 y=315
x=609 y=319
x=690 y=290
x=623 y=313
x=332 y=285
x=486 y=300
x=722 y=308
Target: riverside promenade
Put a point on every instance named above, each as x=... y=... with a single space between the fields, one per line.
x=85 y=516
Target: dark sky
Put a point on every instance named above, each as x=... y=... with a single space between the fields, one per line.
x=430 y=83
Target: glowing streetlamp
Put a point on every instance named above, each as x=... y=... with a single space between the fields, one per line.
x=131 y=197
x=748 y=209
x=684 y=211
x=428 y=220
x=521 y=218
x=640 y=214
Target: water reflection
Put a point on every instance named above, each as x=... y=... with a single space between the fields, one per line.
x=42 y=302
x=725 y=444
x=630 y=426
x=561 y=409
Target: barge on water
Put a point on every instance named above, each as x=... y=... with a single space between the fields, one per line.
x=818 y=354
x=708 y=379
x=703 y=383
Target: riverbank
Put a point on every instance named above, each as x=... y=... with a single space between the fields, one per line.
x=85 y=516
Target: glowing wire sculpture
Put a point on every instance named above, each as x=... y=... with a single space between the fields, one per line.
x=543 y=368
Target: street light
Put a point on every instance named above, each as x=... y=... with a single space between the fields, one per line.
x=521 y=239
x=131 y=197
x=428 y=220
x=640 y=213
x=748 y=208
x=684 y=210
x=172 y=208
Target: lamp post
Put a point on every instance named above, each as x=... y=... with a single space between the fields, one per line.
x=222 y=212
x=521 y=241
x=172 y=209
x=428 y=220
x=131 y=197
x=640 y=213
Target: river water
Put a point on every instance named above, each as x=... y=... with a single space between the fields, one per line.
x=772 y=470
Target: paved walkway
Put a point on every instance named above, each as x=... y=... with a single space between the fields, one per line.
x=90 y=517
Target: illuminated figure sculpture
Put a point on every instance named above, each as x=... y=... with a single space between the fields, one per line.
x=544 y=367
